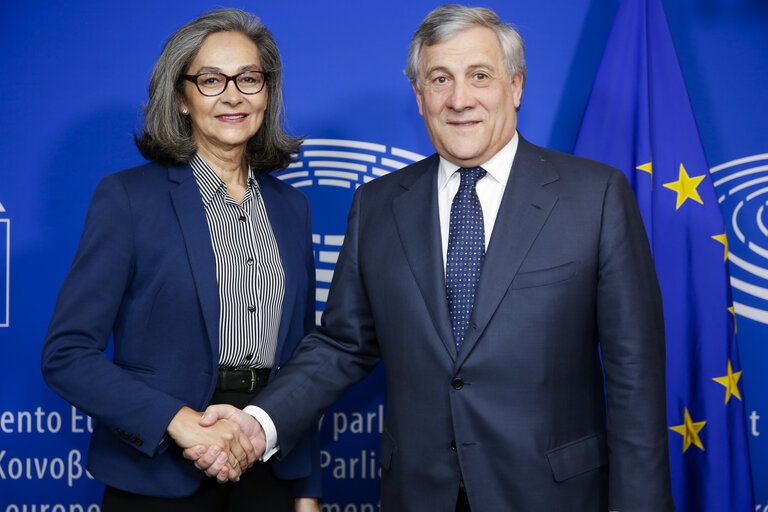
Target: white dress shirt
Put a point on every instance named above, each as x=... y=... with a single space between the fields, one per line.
x=490 y=190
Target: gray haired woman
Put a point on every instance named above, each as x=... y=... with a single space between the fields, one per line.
x=199 y=265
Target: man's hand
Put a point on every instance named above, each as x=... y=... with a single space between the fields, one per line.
x=207 y=458
x=225 y=442
x=306 y=505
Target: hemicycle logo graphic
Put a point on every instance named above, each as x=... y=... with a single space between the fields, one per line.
x=5 y=268
x=742 y=188
x=329 y=171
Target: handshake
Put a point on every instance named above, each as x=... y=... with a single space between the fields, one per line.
x=223 y=441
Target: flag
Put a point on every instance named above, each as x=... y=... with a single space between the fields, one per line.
x=639 y=119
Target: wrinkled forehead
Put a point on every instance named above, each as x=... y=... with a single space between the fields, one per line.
x=473 y=46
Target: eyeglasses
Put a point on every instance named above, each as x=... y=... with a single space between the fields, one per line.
x=213 y=84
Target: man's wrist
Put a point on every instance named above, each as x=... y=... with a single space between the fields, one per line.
x=268 y=426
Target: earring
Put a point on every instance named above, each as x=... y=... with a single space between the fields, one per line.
x=185 y=111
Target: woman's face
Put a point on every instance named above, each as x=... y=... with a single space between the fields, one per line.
x=224 y=122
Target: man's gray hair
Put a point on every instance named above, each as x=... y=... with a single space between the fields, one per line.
x=448 y=20
x=167 y=135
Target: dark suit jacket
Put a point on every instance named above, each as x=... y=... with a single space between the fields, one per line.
x=527 y=412
x=145 y=272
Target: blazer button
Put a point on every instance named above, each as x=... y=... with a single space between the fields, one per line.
x=453 y=445
x=457 y=383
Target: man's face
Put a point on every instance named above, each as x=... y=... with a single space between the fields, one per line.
x=466 y=98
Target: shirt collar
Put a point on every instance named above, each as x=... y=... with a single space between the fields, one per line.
x=498 y=167
x=209 y=182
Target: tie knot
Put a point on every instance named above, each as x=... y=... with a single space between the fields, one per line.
x=470 y=176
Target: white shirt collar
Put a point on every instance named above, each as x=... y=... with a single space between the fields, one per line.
x=498 y=167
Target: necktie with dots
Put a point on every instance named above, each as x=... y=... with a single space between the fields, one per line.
x=466 y=250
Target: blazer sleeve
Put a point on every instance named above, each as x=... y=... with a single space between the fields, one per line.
x=631 y=335
x=73 y=360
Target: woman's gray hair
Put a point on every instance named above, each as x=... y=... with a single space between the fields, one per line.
x=167 y=135
x=448 y=20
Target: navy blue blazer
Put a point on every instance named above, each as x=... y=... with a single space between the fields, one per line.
x=145 y=273
x=528 y=413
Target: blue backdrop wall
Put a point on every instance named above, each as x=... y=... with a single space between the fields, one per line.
x=75 y=76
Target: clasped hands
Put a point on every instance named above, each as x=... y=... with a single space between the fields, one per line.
x=223 y=441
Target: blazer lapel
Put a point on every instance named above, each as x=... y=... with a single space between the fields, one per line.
x=418 y=223
x=524 y=209
x=290 y=255
x=190 y=211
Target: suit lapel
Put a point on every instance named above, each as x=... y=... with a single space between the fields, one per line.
x=418 y=224
x=290 y=255
x=190 y=211
x=524 y=209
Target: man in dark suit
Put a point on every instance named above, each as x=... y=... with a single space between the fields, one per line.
x=510 y=293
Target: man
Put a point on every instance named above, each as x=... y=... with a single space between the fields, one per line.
x=490 y=279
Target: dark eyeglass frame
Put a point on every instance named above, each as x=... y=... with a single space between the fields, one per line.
x=233 y=78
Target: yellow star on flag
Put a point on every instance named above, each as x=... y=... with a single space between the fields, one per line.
x=690 y=431
x=685 y=187
x=731 y=383
x=732 y=311
x=646 y=168
x=723 y=240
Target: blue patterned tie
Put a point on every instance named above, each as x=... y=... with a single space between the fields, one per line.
x=466 y=250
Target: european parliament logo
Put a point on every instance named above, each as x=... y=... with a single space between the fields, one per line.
x=329 y=171
x=742 y=189
x=5 y=267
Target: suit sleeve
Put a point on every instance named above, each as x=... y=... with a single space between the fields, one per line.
x=311 y=486
x=631 y=335
x=73 y=360
x=341 y=352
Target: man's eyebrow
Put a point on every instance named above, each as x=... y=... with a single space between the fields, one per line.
x=436 y=68
x=481 y=64
x=470 y=67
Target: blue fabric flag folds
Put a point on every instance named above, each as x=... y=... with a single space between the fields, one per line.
x=639 y=119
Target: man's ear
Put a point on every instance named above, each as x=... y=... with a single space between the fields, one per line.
x=517 y=89
x=419 y=98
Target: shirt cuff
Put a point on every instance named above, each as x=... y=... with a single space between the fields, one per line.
x=270 y=432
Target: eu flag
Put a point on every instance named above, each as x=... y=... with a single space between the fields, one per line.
x=639 y=119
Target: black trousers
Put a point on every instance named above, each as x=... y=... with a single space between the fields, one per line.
x=258 y=489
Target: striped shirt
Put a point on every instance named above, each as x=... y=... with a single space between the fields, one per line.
x=249 y=271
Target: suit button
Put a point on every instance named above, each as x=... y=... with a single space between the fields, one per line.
x=251 y=309
x=453 y=445
x=457 y=383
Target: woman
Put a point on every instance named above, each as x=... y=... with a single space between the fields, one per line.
x=200 y=266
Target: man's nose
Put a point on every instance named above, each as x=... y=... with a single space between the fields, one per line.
x=461 y=96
